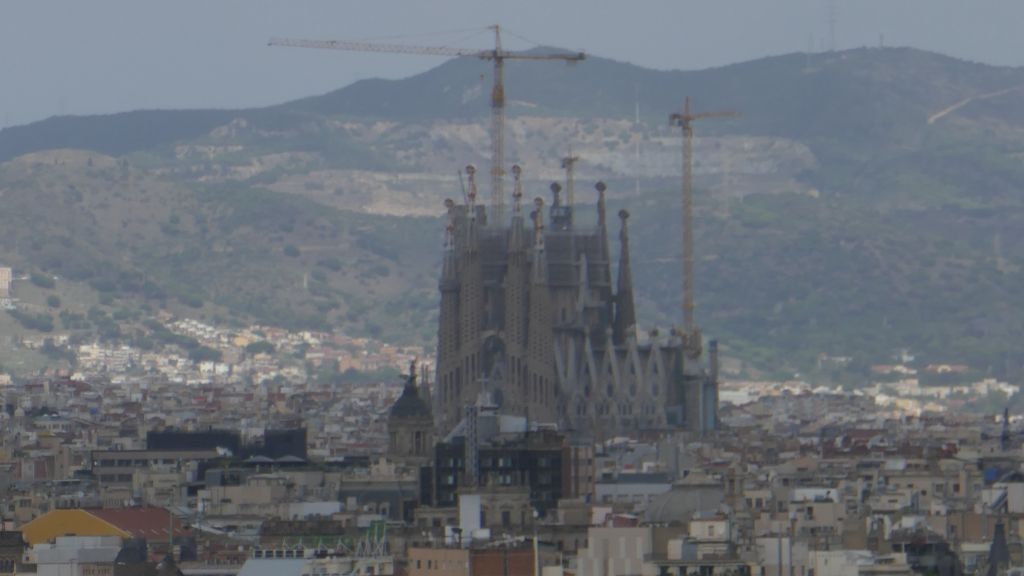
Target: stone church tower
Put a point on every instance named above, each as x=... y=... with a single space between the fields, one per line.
x=530 y=319
x=410 y=426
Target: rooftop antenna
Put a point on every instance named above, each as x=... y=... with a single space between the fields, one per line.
x=636 y=98
x=809 y=51
x=1004 y=436
x=636 y=127
x=833 y=16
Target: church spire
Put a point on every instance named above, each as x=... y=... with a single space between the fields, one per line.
x=605 y=262
x=448 y=334
x=515 y=240
x=516 y=278
x=539 y=261
x=410 y=380
x=448 y=278
x=540 y=385
x=625 y=314
x=471 y=301
x=471 y=205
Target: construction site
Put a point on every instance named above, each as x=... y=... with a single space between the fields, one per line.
x=530 y=322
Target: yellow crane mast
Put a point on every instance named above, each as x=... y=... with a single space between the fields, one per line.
x=685 y=120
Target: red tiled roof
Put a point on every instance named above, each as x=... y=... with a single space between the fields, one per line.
x=146 y=522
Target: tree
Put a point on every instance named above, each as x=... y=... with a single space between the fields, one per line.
x=204 y=354
x=259 y=347
x=43 y=280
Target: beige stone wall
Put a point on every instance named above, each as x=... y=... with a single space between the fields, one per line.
x=5 y=282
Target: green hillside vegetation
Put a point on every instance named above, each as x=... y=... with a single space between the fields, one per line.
x=129 y=236
x=782 y=279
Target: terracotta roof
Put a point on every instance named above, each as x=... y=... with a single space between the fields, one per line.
x=146 y=522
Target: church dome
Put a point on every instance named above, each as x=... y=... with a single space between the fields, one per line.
x=409 y=404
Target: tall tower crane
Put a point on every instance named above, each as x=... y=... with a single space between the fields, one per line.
x=685 y=120
x=498 y=55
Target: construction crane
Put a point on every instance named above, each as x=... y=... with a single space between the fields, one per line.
x=498 y=55
x=685 y=120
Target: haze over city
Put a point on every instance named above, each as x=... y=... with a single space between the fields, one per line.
x=68 y=57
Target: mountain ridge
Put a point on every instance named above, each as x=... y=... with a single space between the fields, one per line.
x=402 y=98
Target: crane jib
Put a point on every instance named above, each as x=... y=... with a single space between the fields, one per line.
x=496 y=55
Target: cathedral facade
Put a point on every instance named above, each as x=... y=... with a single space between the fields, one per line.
x=532 y=321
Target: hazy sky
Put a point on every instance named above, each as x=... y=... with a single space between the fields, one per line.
x=100 y=56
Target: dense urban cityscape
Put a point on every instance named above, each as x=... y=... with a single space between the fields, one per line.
x=532 y=311
x=260 y=455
